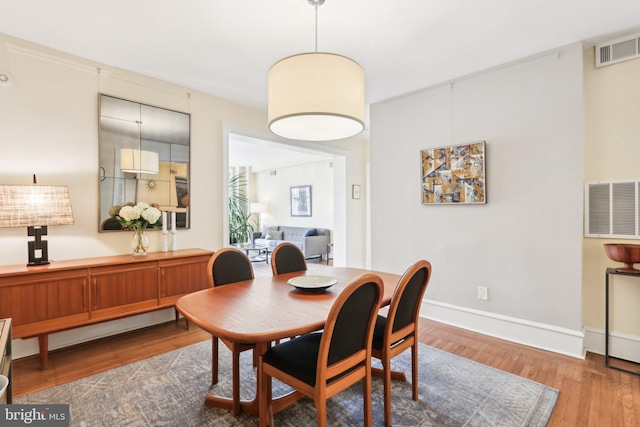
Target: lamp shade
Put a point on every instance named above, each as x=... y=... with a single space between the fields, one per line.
x=34 y=205
x=258 y=208
x=316 y=97
x=139 y=161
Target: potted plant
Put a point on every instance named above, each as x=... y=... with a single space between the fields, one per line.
x=241 y=225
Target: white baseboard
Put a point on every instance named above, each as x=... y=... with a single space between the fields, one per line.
x=539 y=335
x=624 y=346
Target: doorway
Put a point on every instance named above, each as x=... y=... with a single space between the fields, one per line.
x=267 y=152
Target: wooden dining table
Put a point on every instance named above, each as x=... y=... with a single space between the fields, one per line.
x=268 y=309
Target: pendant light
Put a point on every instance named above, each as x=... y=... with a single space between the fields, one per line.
x=316 y=96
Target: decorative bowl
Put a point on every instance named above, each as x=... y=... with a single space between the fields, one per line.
x=4 y=382
x=624 y=253
x=312 y=283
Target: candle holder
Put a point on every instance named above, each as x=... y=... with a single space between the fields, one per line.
x=165 y=241
x=165 y=235
x=174 y=242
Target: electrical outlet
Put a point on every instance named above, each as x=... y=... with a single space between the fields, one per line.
x=483 y=293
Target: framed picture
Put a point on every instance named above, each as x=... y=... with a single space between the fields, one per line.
x=454 y=174
x=301 y=200
x=355 y=191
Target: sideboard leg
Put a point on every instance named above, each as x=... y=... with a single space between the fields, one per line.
x=43 y=344
x=186 y=321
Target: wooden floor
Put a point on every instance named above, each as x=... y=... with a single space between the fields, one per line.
x=590 y=393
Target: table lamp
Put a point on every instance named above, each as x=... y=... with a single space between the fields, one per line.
x=35 y=207
x=258 y=209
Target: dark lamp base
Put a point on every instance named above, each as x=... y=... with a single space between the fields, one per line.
x=38 y=245
x=31 y=264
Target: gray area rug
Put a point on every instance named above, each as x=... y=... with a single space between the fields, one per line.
x=169 y=390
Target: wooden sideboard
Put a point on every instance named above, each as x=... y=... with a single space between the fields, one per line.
x=67 y=294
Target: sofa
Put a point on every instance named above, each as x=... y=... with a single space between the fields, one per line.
x=312 y=241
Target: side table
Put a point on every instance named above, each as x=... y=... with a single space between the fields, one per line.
x=258 y=249
x=329 y=248
x=609 y=272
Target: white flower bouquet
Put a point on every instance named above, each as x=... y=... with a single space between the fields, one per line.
x=139 y=217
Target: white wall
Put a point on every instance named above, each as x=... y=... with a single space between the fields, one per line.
x=273 y=190
x=525 y=243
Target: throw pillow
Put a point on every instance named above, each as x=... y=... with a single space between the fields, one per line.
x=266 y=230
x=274 y=235
x=312 y=232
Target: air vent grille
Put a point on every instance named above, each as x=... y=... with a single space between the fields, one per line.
x=618 y=50
x=605 y=54
x=623 y=218
x=599 y=211
x=612 y=209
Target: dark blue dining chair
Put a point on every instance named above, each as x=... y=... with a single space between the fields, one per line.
x=321 y=364
x=228 y=266
x=286 y=258
x=398 y=331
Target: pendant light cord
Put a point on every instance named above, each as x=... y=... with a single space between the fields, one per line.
x=315 y=4
x=316 y=7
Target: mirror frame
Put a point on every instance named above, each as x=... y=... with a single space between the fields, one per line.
x=144 y=156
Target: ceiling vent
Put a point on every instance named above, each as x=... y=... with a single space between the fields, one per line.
x=618 y=50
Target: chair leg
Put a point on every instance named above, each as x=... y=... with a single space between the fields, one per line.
x=386 y=366
x=214 y=360
x=264 y=402
x=367 y=399
x=321 y=411
x=236 y=381
x=414 y=371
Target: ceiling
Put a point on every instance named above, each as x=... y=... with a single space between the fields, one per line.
x=264 y=155
x=226 y=47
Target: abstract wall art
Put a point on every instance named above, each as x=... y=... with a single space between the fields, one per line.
x=454 y=174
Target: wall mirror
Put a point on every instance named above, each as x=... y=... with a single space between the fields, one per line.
x=144 y=157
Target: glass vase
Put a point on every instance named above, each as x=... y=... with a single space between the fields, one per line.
x=140 y=243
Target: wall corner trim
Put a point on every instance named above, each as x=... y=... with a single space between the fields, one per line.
x=621 y=345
